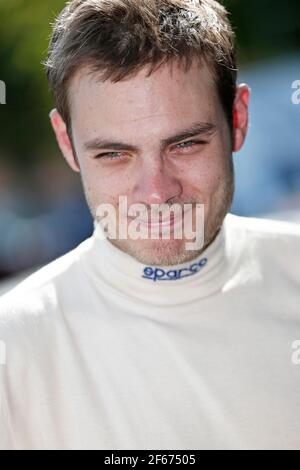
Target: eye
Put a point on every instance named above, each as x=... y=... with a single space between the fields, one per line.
x=182 y=146
x=189 y=144
x=109 y=156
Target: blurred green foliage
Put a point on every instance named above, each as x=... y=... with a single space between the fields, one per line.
x=24 y=35
x=264 y=28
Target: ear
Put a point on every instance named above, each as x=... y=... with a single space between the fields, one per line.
x=63 y=139
x=240 y=116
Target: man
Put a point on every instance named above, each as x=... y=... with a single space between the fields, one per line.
x=147 y=343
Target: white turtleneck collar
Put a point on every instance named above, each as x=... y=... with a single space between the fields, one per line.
x=120 y=273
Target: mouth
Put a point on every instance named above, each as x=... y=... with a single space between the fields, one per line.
x=170 y=221
x=157 y=223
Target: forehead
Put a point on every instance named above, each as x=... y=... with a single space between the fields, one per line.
x=169 y=94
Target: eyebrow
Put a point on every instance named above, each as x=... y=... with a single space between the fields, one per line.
x=200 y=128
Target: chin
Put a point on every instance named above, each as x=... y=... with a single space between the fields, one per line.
x=158 y=252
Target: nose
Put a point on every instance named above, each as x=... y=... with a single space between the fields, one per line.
x=156 y=184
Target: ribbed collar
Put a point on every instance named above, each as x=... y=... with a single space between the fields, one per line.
x=123 y=275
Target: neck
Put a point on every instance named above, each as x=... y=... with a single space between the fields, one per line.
x=159 y=285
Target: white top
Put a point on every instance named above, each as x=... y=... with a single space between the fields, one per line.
x=102 y=352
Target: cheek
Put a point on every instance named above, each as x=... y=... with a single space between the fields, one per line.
x=103 y=184
x=204 y=175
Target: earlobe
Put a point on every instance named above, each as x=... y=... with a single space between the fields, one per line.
x=63 y=139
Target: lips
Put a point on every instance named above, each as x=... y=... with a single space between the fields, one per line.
x=157 y=223
x=172 y=220
x=161 y=221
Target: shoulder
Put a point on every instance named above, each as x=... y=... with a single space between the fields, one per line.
x=262 y=230
x=35 y=299
x=272 y=242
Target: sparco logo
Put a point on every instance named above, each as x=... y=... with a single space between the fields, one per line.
x=158 y=274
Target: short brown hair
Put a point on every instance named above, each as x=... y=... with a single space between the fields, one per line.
x=118 y=37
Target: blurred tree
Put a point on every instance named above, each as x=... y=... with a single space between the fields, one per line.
x=24 y=34
x=265 y=28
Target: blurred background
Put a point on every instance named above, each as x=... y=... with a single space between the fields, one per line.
x=43 y=213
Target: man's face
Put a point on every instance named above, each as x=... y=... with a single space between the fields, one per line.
x=141 y=113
